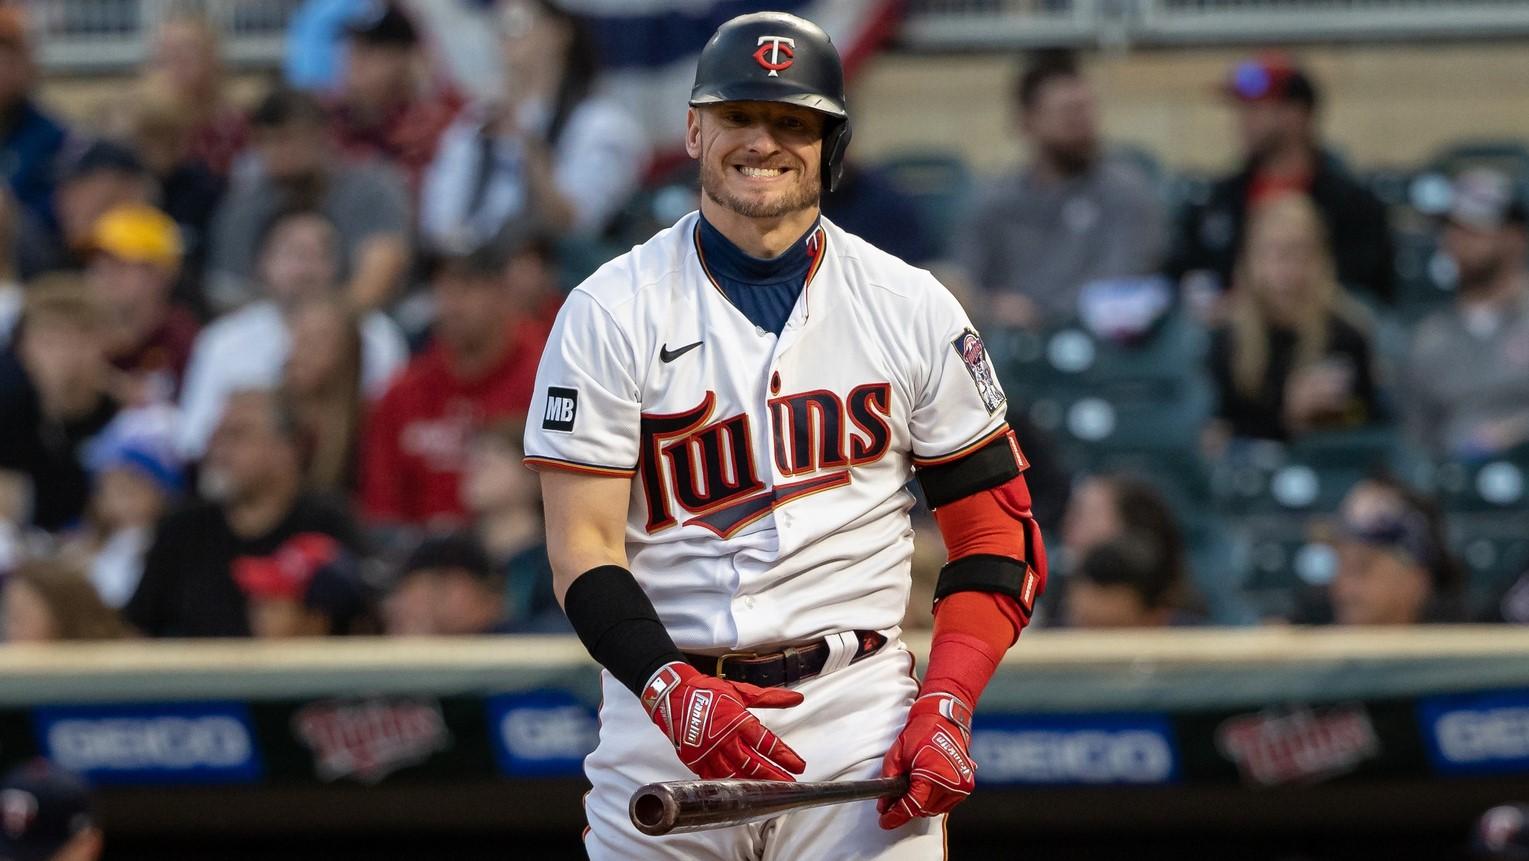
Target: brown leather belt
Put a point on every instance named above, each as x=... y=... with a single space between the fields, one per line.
x=785 y=667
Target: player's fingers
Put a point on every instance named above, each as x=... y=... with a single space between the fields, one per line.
x=754 y=735
x=756 y=697
x=897 y=814
x=759 y=767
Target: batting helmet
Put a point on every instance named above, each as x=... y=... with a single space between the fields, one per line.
x=776 y=57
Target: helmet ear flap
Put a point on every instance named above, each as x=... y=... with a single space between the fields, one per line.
x=835 y=143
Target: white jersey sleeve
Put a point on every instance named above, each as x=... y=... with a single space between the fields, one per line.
x=586 y=410
x=961 y=403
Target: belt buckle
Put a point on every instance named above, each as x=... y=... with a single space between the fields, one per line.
x=725 y=655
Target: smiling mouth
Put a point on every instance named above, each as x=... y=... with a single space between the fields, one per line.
x=759 y=172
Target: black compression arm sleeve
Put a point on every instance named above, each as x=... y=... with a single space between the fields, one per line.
x=618 y=625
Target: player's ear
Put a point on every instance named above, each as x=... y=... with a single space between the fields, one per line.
x=693 y=133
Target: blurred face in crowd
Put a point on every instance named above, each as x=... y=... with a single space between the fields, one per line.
x=471 y=309
x=1097 y=605
x=248 y=452
x=758 y=159
x=67 y=363
x=323 y=336
x=441 y=602
x=1376 y=584
x=495 y=479
x=1268 y=126
x=134 y=294
x=530 y=279
x=1482 y=255
x=294 y=151
x=377 y=75
x=281 y=618
x=1062 y=122
x=1284 y=258
x=125 y=498
x=301 y=259
x=81 y=201
x=186 y=58
x=531 y=42
x=1092 y=518
x=15 y=74
x=26 y=616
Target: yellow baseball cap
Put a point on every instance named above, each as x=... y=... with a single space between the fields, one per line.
x=139 y=233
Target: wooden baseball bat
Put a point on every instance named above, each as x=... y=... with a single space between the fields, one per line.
x=695 y=805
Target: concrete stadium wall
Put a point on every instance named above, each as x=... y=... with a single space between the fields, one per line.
x=1386 y=105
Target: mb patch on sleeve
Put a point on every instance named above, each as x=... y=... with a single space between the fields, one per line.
x=562 y=409
x=969 y=347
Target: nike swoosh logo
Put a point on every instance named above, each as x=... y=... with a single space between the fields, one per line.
x=667 y=355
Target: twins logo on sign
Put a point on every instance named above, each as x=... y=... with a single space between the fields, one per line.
x=1303 y=745
x=370 y=739
x=969 y=347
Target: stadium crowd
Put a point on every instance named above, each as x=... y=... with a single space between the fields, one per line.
x=264 y=367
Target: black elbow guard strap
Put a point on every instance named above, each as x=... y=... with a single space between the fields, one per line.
x=617 y=624
x=985 y=573
x=993 y=464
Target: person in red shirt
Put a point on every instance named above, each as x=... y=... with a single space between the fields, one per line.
x=494 y=309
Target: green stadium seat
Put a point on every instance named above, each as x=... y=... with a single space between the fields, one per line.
x=1499 y=484
x=1310 y=476
x=1494 y=550
x=939 y=183
x=1509 y=155
x=1281 y=555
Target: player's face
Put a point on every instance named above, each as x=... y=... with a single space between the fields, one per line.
x=759 y=159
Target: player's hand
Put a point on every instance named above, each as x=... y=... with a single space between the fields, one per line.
x=932 y=752
x=708 y=723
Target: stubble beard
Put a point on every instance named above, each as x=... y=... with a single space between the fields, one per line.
x=803 y=194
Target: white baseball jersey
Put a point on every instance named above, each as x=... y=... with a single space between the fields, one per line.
x=768 y=496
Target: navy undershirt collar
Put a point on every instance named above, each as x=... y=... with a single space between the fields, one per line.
x=764 y=290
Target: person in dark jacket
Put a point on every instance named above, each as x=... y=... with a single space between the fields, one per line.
x=1276 y=105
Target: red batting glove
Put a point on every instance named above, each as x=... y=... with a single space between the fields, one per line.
x=707 y=721
x=932 y=752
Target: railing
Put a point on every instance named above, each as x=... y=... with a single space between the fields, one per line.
x=990 y=24
x=107 y=35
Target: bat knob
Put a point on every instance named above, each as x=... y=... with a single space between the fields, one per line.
x=654 y=809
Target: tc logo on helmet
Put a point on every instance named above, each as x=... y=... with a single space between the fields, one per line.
x=775 y=54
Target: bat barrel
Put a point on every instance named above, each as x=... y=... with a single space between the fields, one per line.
x=693 y=805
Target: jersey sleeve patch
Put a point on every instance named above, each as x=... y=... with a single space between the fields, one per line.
x=968 y=345
x=561 y=410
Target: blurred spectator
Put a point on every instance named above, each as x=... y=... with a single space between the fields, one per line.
x=1124 y=583
x=12 y=296
x=1394 y=566
x=488 y=338
x=1276 y=105
x=61 y=825
x=188 y=191
x=1109 y=508
x=307 y=588
x=94 y=177
x=1502 y=834
x=30 y=140
x=322 y=382
x=449 y=587
x=135 y=477
x=253 y=476
x=381 y=110
x=135 y=256
x=867 y=204
x=550 y=148
x=1069 y=217
x=1294 y=354
x=186 y=71
x=49 y=602
x=298 y=263
x=368 y=204
x=53 y=398
x=504 y=498
x=1467 y=383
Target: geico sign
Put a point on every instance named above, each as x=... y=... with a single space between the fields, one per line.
x=1082 y=756
x=567 y=732
x=1474 y=736
x=162 y=742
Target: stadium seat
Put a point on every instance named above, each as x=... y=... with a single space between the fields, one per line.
x=1493 y=485
x=1309 y=476
x=1424 y=277
x=939 y=182
x=1281 y=555
x=1494 y=550
x=1509 y=155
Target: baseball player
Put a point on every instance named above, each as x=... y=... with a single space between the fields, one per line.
x=725 y=419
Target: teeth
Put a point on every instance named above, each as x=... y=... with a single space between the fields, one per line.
x=761 y=171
